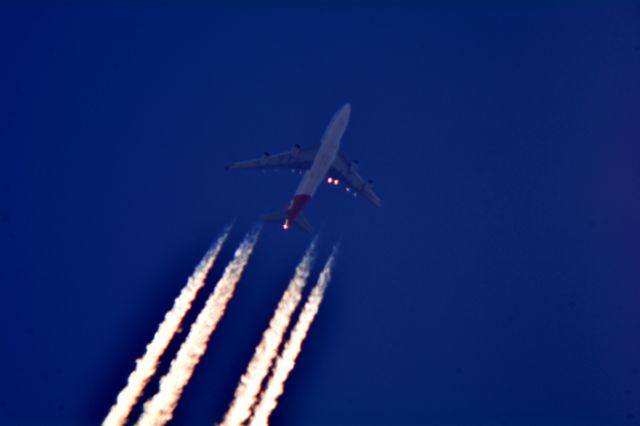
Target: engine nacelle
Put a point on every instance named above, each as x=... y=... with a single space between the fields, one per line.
x=368 y=185
x=265 y=155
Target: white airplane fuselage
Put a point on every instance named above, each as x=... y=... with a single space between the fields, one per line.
x=329 y=147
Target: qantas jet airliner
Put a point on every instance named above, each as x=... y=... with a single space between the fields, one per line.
x=319 y=162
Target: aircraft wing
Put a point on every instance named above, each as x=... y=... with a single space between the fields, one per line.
x=295 y=159
x=347 y=171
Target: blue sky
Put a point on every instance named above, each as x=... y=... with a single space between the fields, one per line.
x=498 y=284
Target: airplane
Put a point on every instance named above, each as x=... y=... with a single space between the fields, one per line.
x=319 y=162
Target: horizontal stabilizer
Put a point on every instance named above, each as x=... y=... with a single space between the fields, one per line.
x=300 y=221
x=304 y=224
x=275 y=217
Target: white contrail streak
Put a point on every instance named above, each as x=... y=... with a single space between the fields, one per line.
x=148 y=364
x=159 y=410
x=251 y=381
x=287 y=359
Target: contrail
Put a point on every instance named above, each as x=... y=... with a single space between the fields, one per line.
x=159 y=410
x=148 y=364
x=251 y=381
x=286 y=361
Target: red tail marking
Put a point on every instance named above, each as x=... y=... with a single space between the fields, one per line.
x=297 y=204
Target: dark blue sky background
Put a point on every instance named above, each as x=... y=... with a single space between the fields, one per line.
x=498 y=284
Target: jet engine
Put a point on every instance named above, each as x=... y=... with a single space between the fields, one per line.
x=295 y=150
x=368 y=185
x=265 y=155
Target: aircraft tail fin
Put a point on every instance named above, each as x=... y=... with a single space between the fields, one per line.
x=301 y=221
